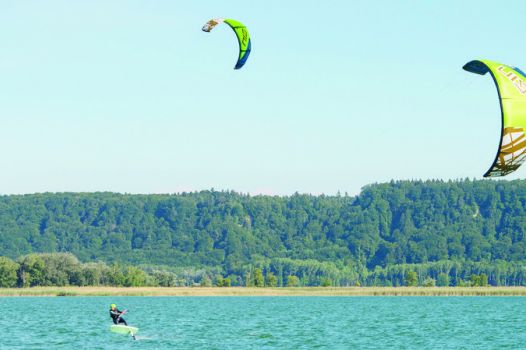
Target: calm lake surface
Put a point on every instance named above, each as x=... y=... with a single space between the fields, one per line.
x=267 y=323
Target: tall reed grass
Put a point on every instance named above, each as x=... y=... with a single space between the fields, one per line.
x=241 y=291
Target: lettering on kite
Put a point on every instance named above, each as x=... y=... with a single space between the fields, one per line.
x=514 y=78
x=245 y=36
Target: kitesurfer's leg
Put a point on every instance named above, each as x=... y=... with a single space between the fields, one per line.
x=121 y=320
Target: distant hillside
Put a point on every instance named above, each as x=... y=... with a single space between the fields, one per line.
x=393 y=223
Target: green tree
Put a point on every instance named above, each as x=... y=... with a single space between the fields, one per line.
x=61 y=269
x=259 y=281
x=271 y=280
x=248 y=279
x=115 y=276
x=206 y=281
x=32 y=271
x=483 y=280
x=164 y=278
x=220 y=281
x=293 y=281
x=443 y=280
x=475 y=280
x=411 y=279
x=429 y=282
x=24 y=279
x=134 y=277
x=326 y=282
x=95 y=273
x=8 y=272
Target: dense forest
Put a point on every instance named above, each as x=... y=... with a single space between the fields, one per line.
x=456 y=228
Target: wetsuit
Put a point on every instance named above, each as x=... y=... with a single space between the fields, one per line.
x=115 y=315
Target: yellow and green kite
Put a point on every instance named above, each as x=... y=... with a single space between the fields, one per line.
x=242 y=36
x=511 y=86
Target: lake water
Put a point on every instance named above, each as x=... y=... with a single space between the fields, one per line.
x=266 y=323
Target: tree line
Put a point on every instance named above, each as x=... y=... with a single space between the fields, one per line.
x=319 y=238
x=64 y=269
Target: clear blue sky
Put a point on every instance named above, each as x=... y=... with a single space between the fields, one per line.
x=131 y=96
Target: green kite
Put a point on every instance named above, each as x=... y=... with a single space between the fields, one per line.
x=242 y=37
x=511 y=87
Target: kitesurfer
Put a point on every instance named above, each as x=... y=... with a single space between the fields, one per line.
x=116 y=314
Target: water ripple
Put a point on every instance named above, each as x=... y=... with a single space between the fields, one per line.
x=266 y=323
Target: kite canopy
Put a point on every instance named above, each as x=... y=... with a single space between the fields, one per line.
x=511 y=86
x=242 y=37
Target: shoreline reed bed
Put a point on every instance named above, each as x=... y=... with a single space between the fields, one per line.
x=252 y=291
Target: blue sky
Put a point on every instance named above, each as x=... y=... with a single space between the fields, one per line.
x=131 y=96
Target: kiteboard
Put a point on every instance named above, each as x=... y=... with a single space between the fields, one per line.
x=122 y=329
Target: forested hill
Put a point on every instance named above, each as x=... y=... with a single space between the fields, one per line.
x=392 y=223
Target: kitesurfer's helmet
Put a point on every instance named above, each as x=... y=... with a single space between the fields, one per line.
x=113 y=306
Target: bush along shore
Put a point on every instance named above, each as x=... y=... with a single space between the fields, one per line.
x=65 y=270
